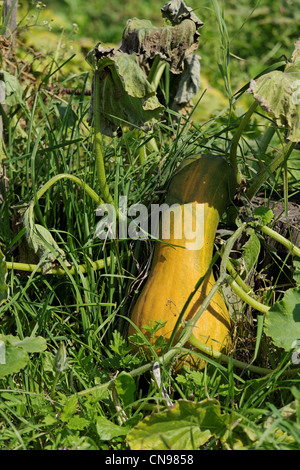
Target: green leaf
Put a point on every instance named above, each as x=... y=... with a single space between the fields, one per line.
x=264 y=214
x=67 y=115
x=251 y=251
x=4 y=291
x=125 y=386
x=31 y=344
x=108 y=430
x=70 y=409
x=296 y=272
x=15 y=360
x=14 y=352
x=282 y=321
x=77 y=423
x=186 y=426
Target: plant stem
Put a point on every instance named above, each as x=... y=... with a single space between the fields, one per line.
x=104 y=189
x=279 y=238
x=57 y=375
x=246 y=297
x=154 y=77
x=76 y=180
x=266 y=138
x=95 y=265
x=237 y=277
x=156 y=72
x=236 y=139
x=262 y=177
x=242 y=290
x=217 y=355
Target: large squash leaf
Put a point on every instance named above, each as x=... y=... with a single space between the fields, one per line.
x=278 y=93
x=282 y=321
x=187 y=426
x=171 y=43
x=126 y=96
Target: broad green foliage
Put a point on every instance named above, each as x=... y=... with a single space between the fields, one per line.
x=15 y=352
x=282 y=322
x=186 y=426
x=107 y=430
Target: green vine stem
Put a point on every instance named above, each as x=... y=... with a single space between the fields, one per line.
x=95 y=265
x=279 y=238
x=242 y=289
x=156 y=72
x=262 y=177
x=236 y=139
x=231 y=270
x=246 y=297
x=154 y=77
x=104 y=189
x=61 y=176
x=266 y=138
x=223 y=358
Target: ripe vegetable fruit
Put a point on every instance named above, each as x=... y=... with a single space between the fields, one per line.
x=204 y=180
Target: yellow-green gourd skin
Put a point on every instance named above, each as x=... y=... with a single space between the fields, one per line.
x=175 y=271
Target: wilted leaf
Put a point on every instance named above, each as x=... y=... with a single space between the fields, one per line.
x=171 y=43
x=278 y=93
x=3 y=273
x=186 y=85
x=126 y=96
x=13 y=89
x=186 y=426
x=176 y=11
x=41 y=241
x=282 y=321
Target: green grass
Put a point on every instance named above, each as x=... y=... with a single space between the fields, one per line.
x=47 y=134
